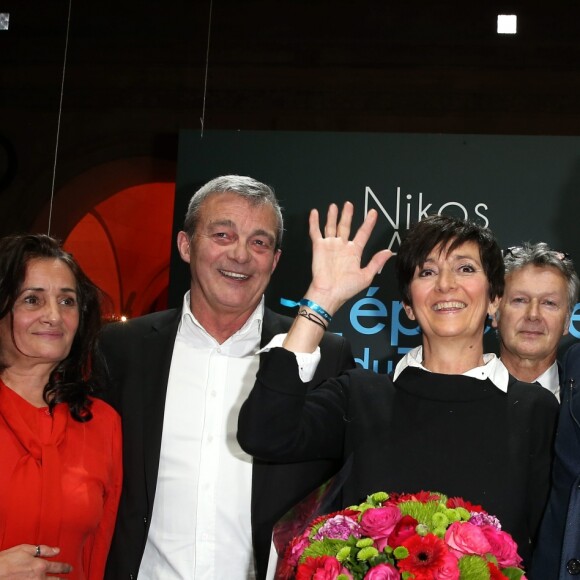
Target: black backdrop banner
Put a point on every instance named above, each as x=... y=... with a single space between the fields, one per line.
x=523 y=188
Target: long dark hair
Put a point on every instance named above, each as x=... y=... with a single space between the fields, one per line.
x=75 y=377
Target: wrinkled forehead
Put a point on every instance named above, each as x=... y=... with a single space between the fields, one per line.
x=231 y=203
x=239 y=213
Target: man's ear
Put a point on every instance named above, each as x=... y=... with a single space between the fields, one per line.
x=184 y=246
x=566 y=326
x=409 y=311
x=277 y=255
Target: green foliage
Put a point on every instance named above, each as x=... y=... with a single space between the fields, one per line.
x=325 y=547
x=473 y=568
x=512 y=573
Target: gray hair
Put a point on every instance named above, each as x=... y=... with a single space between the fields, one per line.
x=253 y=191
x=541 y=254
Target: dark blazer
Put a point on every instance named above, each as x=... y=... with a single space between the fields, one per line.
x=557 y=554
x=138 y=356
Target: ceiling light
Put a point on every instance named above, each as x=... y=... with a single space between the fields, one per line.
x=507 y=24
x=4 y=20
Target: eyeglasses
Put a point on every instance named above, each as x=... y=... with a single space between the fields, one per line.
x=516 y=251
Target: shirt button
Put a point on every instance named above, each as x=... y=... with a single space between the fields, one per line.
x=145 y=520
x=573 y=566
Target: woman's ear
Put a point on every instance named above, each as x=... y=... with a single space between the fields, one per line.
x=409 y=311
x=492 y=310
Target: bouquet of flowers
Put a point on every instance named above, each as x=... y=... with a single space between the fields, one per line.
x=423 y=536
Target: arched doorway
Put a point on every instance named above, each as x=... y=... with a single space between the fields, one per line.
x=124 y=245
x=116 y=218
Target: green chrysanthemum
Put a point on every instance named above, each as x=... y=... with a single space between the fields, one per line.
x=378 y=498
x=343 y=554
x=400 y=552
x=453 y=515
x=367 y=553
x=439 y=531
x=362 y=508
x=422 y=529
x=439 y=520
x=364 y=542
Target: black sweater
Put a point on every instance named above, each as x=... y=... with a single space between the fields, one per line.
x=449 y=433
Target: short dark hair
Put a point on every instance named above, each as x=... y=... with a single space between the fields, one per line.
x=255 y=192
x=450 y=233
x=74 y=378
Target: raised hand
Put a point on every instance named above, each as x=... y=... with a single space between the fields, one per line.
x=337 y=274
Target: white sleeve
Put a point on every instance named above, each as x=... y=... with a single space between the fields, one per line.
x=307 y=361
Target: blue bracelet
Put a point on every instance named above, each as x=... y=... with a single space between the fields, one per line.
x=318 y=309
x=308 y=303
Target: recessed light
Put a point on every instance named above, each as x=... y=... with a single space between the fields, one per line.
x=507 y=24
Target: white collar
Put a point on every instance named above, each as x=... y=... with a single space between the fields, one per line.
x=492 y=369
x=550 y=379
x=251 y=329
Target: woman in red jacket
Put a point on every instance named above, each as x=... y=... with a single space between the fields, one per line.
x=60 y=448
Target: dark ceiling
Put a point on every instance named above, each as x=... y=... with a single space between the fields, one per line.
x=136 y=73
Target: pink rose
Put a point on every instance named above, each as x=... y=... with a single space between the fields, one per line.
x=321 y=568
x=295 y=549
x=378 y=523
x=465 y=538
x=449 y=570
x=382 y=572
x=502 y=546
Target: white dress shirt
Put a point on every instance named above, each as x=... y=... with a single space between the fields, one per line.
x=201 y=523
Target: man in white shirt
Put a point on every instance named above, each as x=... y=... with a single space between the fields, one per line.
x=194 y=505
x=541 y=289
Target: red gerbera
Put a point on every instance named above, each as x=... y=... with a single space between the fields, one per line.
x=422 y=496
x=455 y=502
x=426 y=556
x=321 y=568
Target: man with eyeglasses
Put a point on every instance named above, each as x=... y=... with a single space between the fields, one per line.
x=541 y=289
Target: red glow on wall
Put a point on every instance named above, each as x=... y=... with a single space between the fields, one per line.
x=124 y=245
